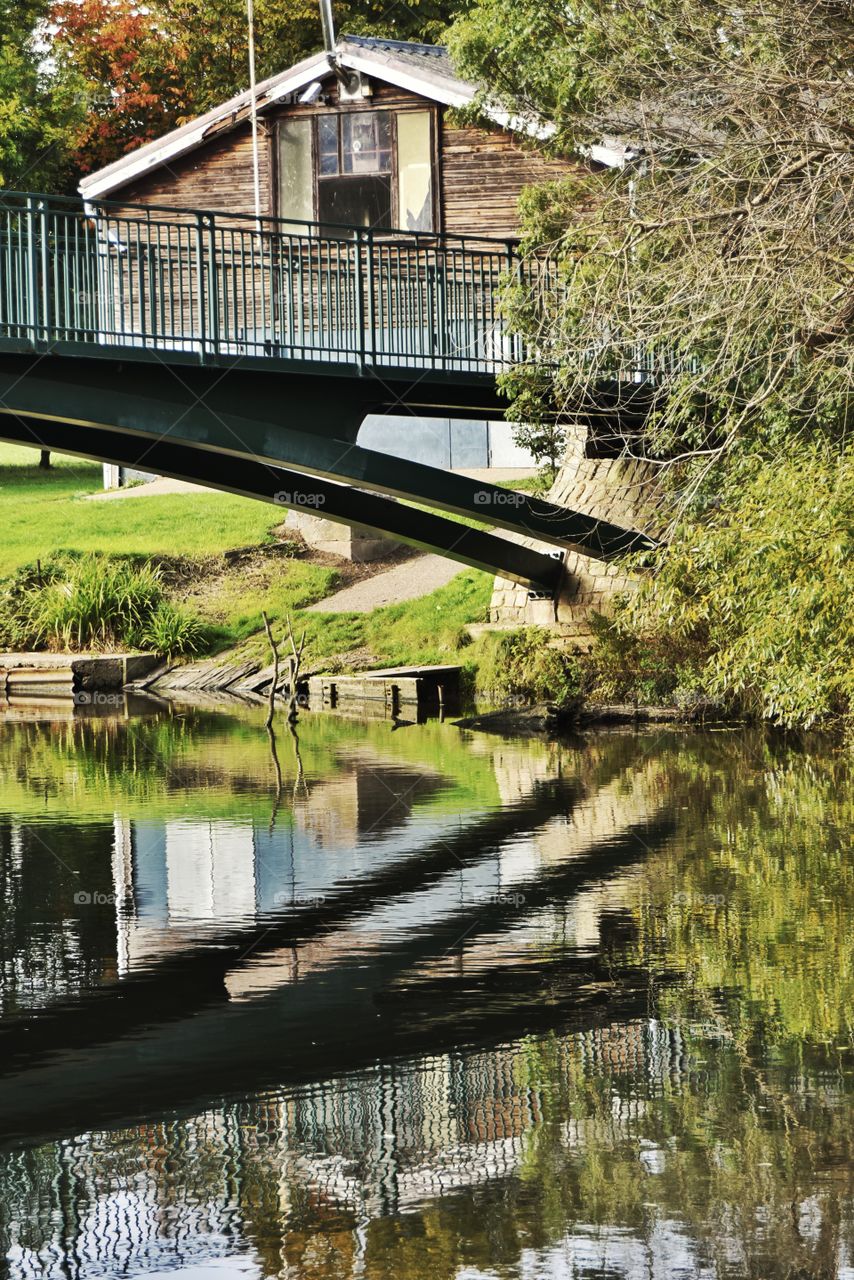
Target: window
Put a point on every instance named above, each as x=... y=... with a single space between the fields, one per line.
x=296 y=181
x=354 y=168
x=414 y=171
x=370 y=169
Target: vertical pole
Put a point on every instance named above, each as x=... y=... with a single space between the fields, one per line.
x=44 y=230
x=256 y=173
x=201 y=317
x=511 y=272
x=213 y=283
x=32 y=272
x=372 y=321
x=360 y=300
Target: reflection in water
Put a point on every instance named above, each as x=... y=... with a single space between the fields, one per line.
x=453 y=1006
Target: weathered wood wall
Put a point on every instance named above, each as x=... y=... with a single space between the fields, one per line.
x=481 y=172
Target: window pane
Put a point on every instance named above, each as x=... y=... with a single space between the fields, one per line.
x=327 y=144
x=363 y=201
x=366 y=142
x=414 y=171
x=295 y=177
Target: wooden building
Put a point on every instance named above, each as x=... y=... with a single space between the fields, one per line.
x=364 y=136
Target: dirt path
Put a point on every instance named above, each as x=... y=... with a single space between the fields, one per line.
x=416 y=577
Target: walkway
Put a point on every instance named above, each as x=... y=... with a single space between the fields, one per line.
x=407 y=581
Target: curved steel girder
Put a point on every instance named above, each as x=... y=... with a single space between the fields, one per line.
x=296 y=490
x=95 y=393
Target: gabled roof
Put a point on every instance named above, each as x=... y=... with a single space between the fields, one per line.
x=421 y=68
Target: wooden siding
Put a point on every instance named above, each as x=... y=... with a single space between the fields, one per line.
x=217 y=175
x=481 y=172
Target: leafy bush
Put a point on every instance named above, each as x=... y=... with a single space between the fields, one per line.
x=526 y=665
x=756 y=595
x=92 y=602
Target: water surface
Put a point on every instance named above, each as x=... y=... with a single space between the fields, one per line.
x=413 y=1002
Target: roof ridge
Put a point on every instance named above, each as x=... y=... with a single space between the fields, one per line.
x=375 y=42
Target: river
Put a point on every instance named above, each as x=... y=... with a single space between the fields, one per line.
x=414 y=1002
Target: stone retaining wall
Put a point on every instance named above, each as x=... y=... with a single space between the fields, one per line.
x=624 y=491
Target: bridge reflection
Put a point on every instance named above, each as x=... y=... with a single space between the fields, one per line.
x=374 y=913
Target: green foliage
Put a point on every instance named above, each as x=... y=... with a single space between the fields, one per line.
x=719 y=260
x=647 y=667
x=525 y=665
x=755 y=598
x=170 y=630
x=41 y=113
x=93 y=602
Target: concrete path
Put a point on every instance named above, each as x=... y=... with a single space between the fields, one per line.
x=151 y=489
x=407 y=581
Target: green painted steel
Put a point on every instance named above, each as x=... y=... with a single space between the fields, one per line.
x=262 y=343
x=278 y=419
x=288 y=489
x=224 y=285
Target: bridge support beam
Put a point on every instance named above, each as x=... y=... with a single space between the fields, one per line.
x=289 y=489
x=152 y=401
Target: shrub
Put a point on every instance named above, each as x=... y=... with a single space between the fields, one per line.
x=760 y=589
x=93 y=602
x=98 y=603
x=526 y=665
x=171 y=631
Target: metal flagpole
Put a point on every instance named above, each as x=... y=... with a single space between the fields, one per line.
x=256 y=175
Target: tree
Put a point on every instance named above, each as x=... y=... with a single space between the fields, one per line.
x=720 y=257
x=40 y=112
x=715 y=263
x=150 y=67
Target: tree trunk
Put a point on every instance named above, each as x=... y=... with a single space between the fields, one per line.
x=44 y=460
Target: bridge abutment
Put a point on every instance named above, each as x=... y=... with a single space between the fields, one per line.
x=624 y=491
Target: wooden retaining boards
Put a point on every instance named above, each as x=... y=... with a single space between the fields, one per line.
x=392 y=689
x=46 y=675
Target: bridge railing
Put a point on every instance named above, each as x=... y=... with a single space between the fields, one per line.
x=221 y=285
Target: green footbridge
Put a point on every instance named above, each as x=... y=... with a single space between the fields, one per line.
x=245 y=354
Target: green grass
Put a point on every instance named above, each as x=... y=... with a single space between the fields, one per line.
x=46 y=511
x=425 y=631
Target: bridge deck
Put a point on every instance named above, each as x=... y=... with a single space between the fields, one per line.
x=220 y=286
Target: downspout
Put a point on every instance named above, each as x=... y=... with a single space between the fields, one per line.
x=330 y=44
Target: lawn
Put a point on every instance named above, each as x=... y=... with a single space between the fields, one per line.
x=46 y=511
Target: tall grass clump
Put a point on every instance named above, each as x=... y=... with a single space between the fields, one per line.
x=94 y=602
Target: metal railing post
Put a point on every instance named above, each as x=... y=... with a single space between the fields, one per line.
x=44 y=227
x=201 y=310
x=371 y=316
x=32 y=272
x=213 y=284
x=360 y=301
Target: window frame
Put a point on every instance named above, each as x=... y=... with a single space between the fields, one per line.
x=338 y=115
x=394 y=172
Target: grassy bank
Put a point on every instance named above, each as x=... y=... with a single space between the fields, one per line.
x=219 y=559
